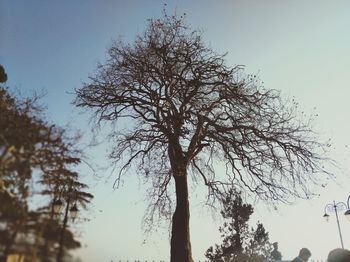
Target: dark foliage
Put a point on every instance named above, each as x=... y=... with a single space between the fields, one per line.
x=3 y=75
x=239 y=243
x=32 y=150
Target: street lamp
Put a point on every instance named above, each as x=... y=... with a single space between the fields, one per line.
x=326 y=217
x=73 y=212
x=57 y=206
x=347 y=213
x=335 y=207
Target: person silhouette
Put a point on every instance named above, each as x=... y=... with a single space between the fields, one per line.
x=304 y=255
x=339 y=255
x=276 y=255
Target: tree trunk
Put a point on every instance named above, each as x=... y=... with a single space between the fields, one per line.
x=9 y=244
x=44 y=255
x=180 y=237
x=61 y=240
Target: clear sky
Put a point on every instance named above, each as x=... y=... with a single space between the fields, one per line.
x=299 y=47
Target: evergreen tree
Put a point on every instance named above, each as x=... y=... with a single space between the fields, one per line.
x=31 y=149
x=239 y=243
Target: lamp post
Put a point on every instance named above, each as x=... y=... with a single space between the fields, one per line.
x=347 y=212
x=57 y=208
x=335 y=207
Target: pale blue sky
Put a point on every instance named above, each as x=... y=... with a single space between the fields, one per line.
x=299 y=47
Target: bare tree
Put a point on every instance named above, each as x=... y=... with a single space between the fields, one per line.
x=187 y=111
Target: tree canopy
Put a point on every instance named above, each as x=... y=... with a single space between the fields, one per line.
x=178 y=108
x=33 y=150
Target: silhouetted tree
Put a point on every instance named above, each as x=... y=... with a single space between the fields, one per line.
x=20 y=134
x=177 y=108
x=20 y=139
x=37 y=230
x=27 y=144
x=13 y=217
x=259 y=247
x=47 y=231
x=3 y=75
x=62 y=183
x=239 y=243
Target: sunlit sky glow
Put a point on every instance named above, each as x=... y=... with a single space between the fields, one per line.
x=299 y=47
